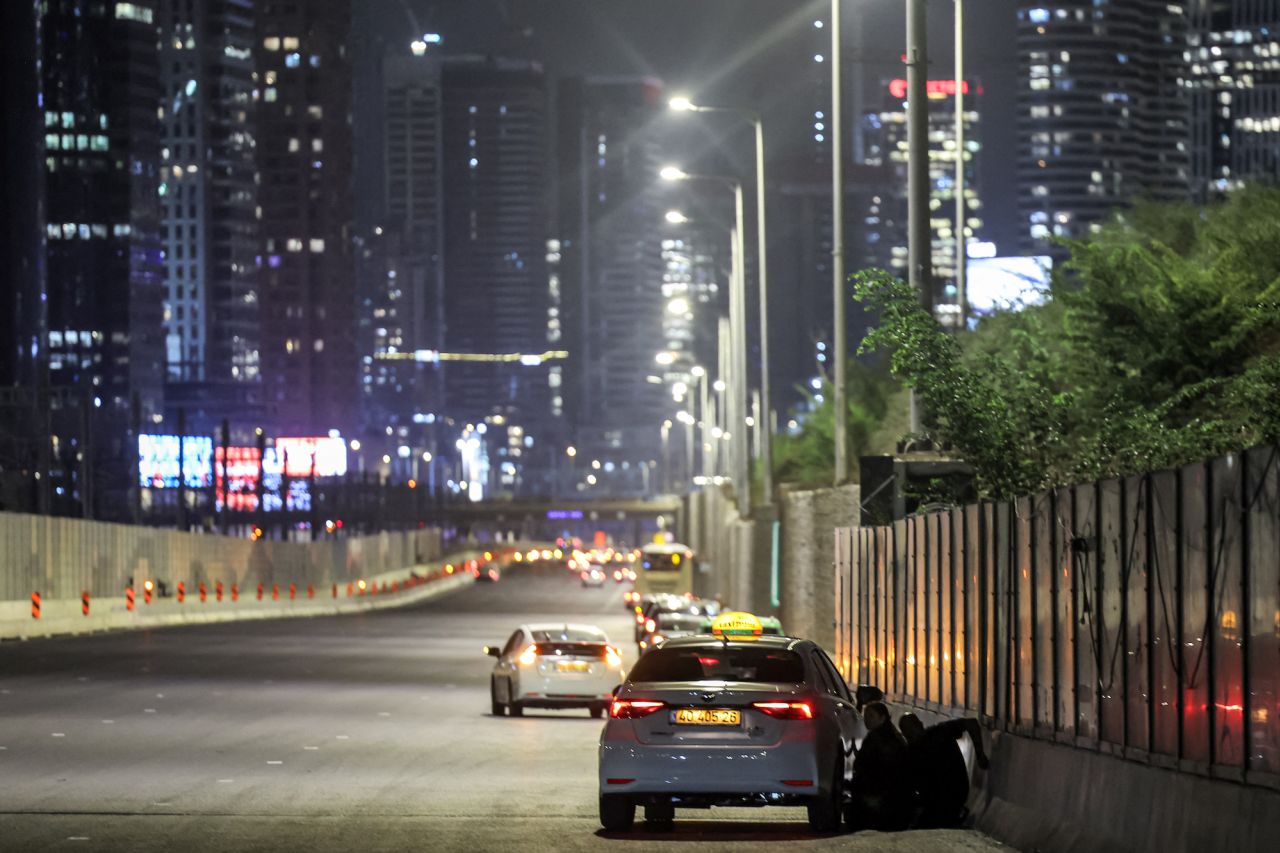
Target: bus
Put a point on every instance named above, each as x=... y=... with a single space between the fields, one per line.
x=666 y=568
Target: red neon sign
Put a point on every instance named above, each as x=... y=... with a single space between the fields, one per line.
x=934 y=88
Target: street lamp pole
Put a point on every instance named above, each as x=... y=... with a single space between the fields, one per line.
x=919 y=259
x=962 y=247
x=839 y=344
x=762 y=271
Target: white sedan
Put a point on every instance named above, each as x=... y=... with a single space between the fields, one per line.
x=554 y=665
x=704 y=722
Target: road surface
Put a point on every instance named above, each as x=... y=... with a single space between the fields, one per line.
x=363 y=733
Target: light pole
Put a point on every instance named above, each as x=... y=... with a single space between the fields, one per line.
x=919 y=260
x=962 y=247
x=762 y=272
x=665 y=480
x=737 y=336
x=839 y=344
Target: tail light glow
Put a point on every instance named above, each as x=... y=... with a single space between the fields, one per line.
x=612 y=657
x=650 y=626
x=529 y=656
x=630 y=709
x=786 y=710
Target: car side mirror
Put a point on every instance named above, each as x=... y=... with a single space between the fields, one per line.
x=492 y=651
x=614 y=691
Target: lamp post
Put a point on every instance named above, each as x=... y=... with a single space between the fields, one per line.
x=737 y=337
x=839 y=344
x=762 y=272
x=962 y=247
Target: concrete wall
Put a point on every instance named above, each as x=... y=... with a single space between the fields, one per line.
x=62 y=557
x=809 y=520
x=1058 y=798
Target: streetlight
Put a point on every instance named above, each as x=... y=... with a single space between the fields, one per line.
x=571 y=451
x=738 y=328
x=675 y=217
x=837 y=251
x=683 y=104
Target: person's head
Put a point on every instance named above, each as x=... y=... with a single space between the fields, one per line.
x=876 y=714
x=910 y=726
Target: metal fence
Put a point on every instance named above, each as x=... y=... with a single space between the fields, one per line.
x=1137 y=616
x=62 y=557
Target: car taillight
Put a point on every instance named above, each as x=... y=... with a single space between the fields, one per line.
x=629 y=709
x=786 y=710
x=529 y=656
x=650 y=626
x=612 y=657
x=639 y=619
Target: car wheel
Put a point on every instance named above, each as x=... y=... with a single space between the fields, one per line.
x=598 y=710
x=495 y=707
x=825 y=809
x=617 y=813
x=516 y=709
x=659 y=813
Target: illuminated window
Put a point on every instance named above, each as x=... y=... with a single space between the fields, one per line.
x=317 y=245
x=293 y=244
x=289 y=43
x=271 y=43
x=133 y=12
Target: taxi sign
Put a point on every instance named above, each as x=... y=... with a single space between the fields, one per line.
x=736 y=625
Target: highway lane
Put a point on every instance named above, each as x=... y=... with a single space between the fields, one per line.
x=363 y=732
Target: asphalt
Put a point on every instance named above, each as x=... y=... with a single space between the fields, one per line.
x=365 y=732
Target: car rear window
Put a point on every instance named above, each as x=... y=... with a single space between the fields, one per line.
x=595 y=650
x=720 y=663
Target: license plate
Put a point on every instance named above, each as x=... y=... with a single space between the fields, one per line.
x=572 y=666
x=706 y=717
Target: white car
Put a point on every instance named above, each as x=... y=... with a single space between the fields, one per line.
x=593 y=575
x=555 y=665
x=704 y=722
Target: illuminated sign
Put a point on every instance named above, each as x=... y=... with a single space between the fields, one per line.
x=158 y=459
x=1007 y=284
x=736 y=625
x=329 y=453
x=564 y=513
x=934 y=88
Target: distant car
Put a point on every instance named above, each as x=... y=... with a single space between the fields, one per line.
x=668 y=624
x=489 y=572
x=705 y=721
x=554 y=665
x=593 y=575
x=671 y=603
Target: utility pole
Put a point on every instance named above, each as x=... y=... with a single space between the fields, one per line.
x=918 y=247
x=962 y=244
x=839 y=344
x=762 y=253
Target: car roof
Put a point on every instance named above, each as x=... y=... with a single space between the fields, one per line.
x=767 y=640
x=668 y=548
x=560 y=626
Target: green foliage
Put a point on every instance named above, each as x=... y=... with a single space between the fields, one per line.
x=1160 y=346
x=875 y=401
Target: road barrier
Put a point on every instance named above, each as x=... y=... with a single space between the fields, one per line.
x=182 y=592
x=217 y=591
x=35 y=605
x=84 y=602
x=204 y=593
x=128 y=599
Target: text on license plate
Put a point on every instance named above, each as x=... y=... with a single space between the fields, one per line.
x=572 y=666
x=706 y=717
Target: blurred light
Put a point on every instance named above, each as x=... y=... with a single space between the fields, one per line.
x=404 y=451
x=680 y=104
x=675 y=217
x=665 y=358
x=386 y=460
x=719 y=385
x=571 y=451
x=426 y=456
x=671 y=173
x=679 y=305
x=355 y=444
x=591 y=479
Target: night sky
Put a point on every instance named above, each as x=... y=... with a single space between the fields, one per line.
x=735 y=52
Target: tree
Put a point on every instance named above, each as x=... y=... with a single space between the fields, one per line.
x=1160 y=345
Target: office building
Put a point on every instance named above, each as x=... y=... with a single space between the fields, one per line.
x=612 y=266
x=1103 y=119
x=884 y=226
x=1233 y=81
x=304 y=159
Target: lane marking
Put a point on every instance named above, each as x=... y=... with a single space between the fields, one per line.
x=59 y=734
x=344 y=737
x=78 y=838
x=83 y=678
x=384 y=713
x=225 y=781
x=162 y=805
x=159 y=695
x=107 y=722
x=311 y=747
x=275 y=762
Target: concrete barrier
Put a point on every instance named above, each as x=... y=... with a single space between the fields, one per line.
x=63 y=616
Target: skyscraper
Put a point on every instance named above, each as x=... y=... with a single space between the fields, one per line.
x=1233 y=78
x=884 y=231
x=304 y=158
x=209 y=199
x=1103 y=118
x=611 y=227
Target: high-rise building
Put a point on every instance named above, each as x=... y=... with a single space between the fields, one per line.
x=304 y=159
x=1233 y=78
x=1103 y=119
x=884 y=231
x=612 y=265
x=210 y=193
x=101 y=89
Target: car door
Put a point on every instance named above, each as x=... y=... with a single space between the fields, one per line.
x=507 y=662
x=838 y=708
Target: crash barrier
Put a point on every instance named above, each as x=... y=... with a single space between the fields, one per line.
x=1137 y=618
x=62 y=556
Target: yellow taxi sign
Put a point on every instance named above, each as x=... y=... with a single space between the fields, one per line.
x=736 y=625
